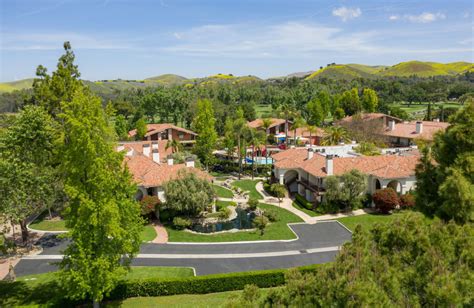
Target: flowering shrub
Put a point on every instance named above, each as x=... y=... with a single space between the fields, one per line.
x=407 y=201
x=385 y=200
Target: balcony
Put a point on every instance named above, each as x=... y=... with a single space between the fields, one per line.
x=314 y=188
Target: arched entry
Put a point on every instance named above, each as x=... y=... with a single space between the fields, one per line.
x=395 y=185
x=377 y=184
x=290 y=178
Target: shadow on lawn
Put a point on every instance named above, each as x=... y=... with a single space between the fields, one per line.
x=19 y=293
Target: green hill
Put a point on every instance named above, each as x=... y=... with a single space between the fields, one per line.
x=167 y=79
x=403 y=69
x=16 y=85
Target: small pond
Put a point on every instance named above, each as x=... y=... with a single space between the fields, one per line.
x=242 y=221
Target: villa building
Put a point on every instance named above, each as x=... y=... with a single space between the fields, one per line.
x=166 y=131
x=303 y=136
x=276 y=127
x=151 y=166
x=394 y=131
x=303 y=170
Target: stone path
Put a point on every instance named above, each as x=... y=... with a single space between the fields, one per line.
x=287 y=203
x=161 y=234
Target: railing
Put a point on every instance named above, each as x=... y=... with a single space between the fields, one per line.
x=312 y=187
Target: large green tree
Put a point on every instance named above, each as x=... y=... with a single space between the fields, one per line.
x=28 y=180
x=445 y=175
x=205 y=126
x=369 y=100
x=102 y=215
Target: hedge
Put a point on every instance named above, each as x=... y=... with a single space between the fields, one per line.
x=303 y=202
x=202 y=284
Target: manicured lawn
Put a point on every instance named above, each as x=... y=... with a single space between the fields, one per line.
x=305 y=210
x=368 y=220
x=44 y=224
x=275 y=231
x=220 y=204
x=223 y=192
x=148 y=234
x=42 y=289
x=183 y=300
x=248 y=185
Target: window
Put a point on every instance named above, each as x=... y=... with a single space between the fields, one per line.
x=181 y=135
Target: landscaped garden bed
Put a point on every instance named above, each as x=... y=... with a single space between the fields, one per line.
x=248 y=186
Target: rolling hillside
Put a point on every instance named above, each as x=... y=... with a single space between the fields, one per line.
x=167 y=79
x=16 y=85
x=403 y=69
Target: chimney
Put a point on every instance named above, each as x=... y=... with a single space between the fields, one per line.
x=156 y=156
x=391 y=125
x=120 y=147
x=154 y=145
x=189 y=162
x=170 y=160
x=146 y=149
x=329 y=165
x=436 y=120
x=310 y=153
x=419 y=127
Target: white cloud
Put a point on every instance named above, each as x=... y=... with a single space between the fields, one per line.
x=346 y=13
x=425 y=17
x=394 y=17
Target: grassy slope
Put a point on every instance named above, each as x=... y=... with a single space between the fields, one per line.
x=248 y=185
x=167 y=79
x=223 y=192
x=16 y=85
x=369 y=220
x=275 y=231
x=186 y=300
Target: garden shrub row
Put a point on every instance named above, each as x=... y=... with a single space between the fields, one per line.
x=202 y=284
x=303 y=202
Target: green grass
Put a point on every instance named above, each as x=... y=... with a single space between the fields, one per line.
x=278 y=230
x=42 y=289
x=184 y=300
x=248 y=185
x=263 y=110
x=223 y=192
x=44 y=224
x=220 y=204
x=305 y=210
x=148 y=234
x=368 y=220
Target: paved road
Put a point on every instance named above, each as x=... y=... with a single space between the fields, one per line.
x=316 y=243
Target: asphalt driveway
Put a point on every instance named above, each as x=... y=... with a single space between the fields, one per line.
x=316 y=243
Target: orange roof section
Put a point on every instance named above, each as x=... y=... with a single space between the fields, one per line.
x=157 y=128
x=408 y=130
x=259 y=122
x=382 y=166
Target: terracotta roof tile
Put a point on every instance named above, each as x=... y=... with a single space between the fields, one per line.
x=408 y=130
x=156 y=128
x=259 y=122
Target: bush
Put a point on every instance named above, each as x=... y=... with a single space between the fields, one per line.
x=253 y=203
x=166 y=215
x=180 y=223
x=303 y=202
x=271 y=215
x=407 y=201
x=261 y=222
x=385 y=200
x=202 y=284
x=148 y=205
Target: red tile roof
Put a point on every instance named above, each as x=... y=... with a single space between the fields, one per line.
x=157 y=128
x=303 y=132
x=368 y=117
x=383 y=166
x=137 y=147
x=408 y=130
x=259 y=122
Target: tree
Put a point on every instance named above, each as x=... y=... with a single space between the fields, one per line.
x=345 y=191
x=141 y=128
x=253 y=203
x=260 y=222
x=385 y=200
x=266 y=123
x=287 y=110
x=335 y=135
x=299 y=122
x=188 y=194
x=279 y=191
x=311 y=129
x=367 y=149
x=256 y=139
x=350 y=102
x=204 y=125
x=369 y=100
x=50 y=91
x=102 y=215
x=316 y=112
x=339 y=113
x=239 y=127
x=27 y=175
x=405 y=263
x=175 y=145
x=445 y=173
x=121 y=127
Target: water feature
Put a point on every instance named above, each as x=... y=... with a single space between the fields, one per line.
x=242 y=221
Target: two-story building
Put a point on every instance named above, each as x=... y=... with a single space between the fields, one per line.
x=166 y=131
x=303 y=170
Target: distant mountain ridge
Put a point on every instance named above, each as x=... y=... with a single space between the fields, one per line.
x=403 y=69
x=334 y=71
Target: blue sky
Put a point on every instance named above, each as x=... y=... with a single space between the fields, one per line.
x=136 y=39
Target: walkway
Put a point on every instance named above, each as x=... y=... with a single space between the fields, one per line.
x=161 y=234
x=287 y=203
x=315 y=243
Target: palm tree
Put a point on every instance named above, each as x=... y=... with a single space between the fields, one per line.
x=266 y=123
x=297 y=123
x=256 y=139
x=335 y=135
x=311 y=129
x=287 y=110
x=174 y=144
x=238 y=131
